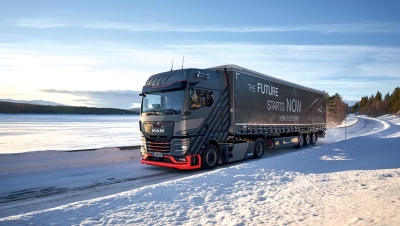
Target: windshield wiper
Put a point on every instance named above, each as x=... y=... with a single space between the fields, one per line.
x=151 y=113
x=171 y=110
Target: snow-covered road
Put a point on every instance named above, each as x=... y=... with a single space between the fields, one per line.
x=346 y=182
x=41 y=180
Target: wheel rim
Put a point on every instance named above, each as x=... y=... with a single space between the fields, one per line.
x=301 y=140
x=211 y=157
x=313 y=138
x=308 y=138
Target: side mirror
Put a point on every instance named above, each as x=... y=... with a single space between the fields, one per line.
x=186 y=113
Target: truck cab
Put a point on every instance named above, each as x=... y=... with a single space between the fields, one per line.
x=181 y=114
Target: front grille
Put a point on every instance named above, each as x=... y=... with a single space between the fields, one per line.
x=158 y=136
x=158 y=146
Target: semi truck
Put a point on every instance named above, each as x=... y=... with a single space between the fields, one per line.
x=199 y=118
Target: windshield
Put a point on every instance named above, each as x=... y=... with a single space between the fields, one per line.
x=165 y=103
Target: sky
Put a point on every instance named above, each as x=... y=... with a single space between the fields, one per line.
x=100 y=53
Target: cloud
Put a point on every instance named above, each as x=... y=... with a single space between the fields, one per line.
x=339 y=28
x=352 y=28
x=38 y=23
x=123 y=99
x=343 y=28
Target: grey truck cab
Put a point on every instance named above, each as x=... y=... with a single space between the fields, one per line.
x=182 y=112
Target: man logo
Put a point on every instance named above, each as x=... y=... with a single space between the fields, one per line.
x=157 y=130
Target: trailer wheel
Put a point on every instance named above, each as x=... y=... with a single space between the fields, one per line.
x=259 y=148
x=209 y=157
x=307 y=139
x=300 y=142
x=313 y=138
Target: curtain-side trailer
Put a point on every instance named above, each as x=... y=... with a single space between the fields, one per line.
x=199 y=118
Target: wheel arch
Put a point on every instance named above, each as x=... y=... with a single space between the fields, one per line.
x=214 y=142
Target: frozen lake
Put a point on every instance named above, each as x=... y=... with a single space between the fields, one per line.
x=25 y=133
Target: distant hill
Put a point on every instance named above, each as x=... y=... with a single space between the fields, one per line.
x=38 y=102
x=23 y=108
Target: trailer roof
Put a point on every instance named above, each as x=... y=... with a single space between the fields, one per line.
x=233 y=67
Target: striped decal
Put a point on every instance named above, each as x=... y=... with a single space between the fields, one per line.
x=225 y=110
x=217 y=121
x=159 y=79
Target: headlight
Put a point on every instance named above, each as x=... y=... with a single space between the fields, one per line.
x=181 y=148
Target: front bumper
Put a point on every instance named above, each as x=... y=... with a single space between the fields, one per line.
x=192 y=162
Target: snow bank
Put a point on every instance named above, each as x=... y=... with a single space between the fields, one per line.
x=350 y=182
x=349 y=121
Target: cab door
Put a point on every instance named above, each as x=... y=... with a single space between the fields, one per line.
x=197 y=121
x=205 y=104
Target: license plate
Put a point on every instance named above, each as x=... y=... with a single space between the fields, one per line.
x=159 y=155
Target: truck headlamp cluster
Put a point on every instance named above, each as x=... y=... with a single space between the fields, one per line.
x=181 y=148
x=181 y=159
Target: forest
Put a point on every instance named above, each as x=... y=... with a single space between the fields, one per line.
x=21 y=108
x=378 y=104
x=373 y=106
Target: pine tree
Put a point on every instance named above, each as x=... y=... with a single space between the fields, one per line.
x=355 y=108
x=363 y=102
x=378 y=96
x=387 y=96
x=370 y=99
x=394 y=100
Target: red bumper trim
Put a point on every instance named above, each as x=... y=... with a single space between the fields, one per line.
x=173 y=164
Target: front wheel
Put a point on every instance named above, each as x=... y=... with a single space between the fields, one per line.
x=209 y=157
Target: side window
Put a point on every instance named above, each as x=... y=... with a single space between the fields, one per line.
x=200 y=98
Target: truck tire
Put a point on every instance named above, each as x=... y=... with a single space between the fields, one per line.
x=259 y=148
x=209 y=158
x=307 y=139
x=313 y=138
x=300 y=142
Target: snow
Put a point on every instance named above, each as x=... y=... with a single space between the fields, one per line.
x=31 y=132
x=338 y=182
x=34 y=162
x=349 y=121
